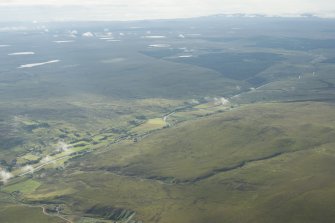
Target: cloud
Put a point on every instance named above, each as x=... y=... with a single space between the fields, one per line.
x=5 y=176
x=58 y=2
x=28 y=169
x=155 y=9
x=88 y=34
x=12 y=28
x=63 y=147
x=46 y=159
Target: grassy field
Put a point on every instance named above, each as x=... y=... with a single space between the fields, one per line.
x=151 y=124
x=25 y=187
x=267 y=160
x=11 y=212
x=239 y=135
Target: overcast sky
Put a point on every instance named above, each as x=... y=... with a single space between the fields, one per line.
x=154 y=9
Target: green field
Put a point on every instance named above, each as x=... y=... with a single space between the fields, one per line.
x=25 y=187
x=260 y=163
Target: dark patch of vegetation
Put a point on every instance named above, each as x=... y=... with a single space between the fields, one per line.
x=256 y=81
x=331 y=60
x=31 y=127
x=237 y=66
x=110 y=213
x=141 y=117
x=8 y=143
x=294 y=43
x=226 y=169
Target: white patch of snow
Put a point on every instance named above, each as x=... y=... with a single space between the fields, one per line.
x=185 y=56
x=153 y=37
x=21 y=53
x=106 y=38
x=159 y=45
x=63 y=41
x=38 y=64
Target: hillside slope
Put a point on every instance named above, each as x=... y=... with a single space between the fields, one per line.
x=258 y=163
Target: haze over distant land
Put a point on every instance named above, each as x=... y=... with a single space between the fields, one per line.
x=50 y=10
